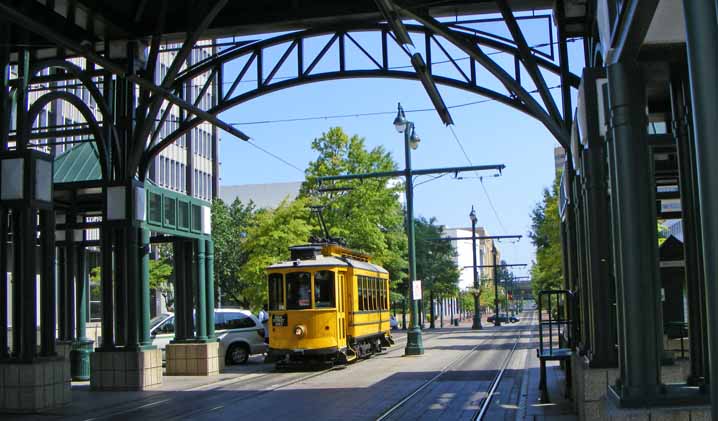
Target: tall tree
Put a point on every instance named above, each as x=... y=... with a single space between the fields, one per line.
x=369 y=216
x=267 y=242
x=545 y=235
x=435 y=264
x=230 y=225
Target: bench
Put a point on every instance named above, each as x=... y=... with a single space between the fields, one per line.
x=554 y=322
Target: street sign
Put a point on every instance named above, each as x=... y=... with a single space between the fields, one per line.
x=416 y=290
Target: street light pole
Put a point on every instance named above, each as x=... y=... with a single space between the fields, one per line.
x=497 y=322
x=414 y=342
x=477 y=313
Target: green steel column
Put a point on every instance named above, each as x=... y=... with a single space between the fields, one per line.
x=414 y=342
x=209 y=287
x=144 y=334
x=691 y=231
x=70 y=278
x=16 y=321
x=190 y=280
x=82 y=346
x=200 y=292
x=476 y=324
x=4 y=247
x=62 y=306
x=602 y=352
x=616 y=245
x=28 y=285
x=702 y=32
x=640 y=337
x=120 y=287
x=497 y=321
x=179 y=275
x=47 y=291
x=108 y=312
x=4 y=129
x=132 y=275
x=81 y=299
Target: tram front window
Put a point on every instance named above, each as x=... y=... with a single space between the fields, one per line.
x=324 y=289
x=299 y=287
x=276 y=292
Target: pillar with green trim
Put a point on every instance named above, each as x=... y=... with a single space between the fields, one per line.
x=209 y=288
x=144 y=320
x=201 y=298
x=82 y=345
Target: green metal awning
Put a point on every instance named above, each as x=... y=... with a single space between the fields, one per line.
x=81 y=163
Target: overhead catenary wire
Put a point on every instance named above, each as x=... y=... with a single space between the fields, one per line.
x=481 y=180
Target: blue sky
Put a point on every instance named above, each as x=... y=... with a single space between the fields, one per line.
x=490 y=133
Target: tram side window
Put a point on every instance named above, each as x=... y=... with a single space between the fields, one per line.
x=382 y=293
x=276 y=292
x=361 y=293
x=374 y=291
x=299 y=287
x=384 y=287
x=324 y=289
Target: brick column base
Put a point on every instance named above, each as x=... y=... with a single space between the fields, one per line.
x=41 y=385
x=192 y=359
x=125 y=370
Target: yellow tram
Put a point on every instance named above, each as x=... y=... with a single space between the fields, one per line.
x=327 y=304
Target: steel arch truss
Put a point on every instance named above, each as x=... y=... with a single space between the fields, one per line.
x=455 y=57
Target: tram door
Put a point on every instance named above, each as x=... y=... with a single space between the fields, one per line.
x=341 y=310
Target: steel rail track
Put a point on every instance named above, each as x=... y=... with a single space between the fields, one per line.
x=484 y=405
x=248 y=378
x=485 y=402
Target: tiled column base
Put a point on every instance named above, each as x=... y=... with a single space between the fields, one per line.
x=613 y=413
x=589 y=388
x=200 y=359
x=125 y=370
x=41 y=385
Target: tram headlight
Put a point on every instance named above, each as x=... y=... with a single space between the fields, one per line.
x=300 y=331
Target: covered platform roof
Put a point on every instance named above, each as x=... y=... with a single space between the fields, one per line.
x=100 y=20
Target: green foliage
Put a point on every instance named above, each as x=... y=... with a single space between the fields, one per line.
x=435 y=264
x=545 y=234
x=467 y=301
x=160 y=274
x=267 y=242
x=369 y=216
x=229 y=232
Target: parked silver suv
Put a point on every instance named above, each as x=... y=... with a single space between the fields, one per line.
x=239 y=332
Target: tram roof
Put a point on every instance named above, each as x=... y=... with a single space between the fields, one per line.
x=100 y=20
x=328 y=261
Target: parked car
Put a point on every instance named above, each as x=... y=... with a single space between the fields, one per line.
x=503 y=318
x=239 y=332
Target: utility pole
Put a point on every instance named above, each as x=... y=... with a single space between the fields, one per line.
x=477 y=288
x=497 y=322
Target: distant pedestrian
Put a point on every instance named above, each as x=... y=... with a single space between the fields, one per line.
x=263 y=317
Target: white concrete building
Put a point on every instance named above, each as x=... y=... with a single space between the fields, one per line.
x=464 y=255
